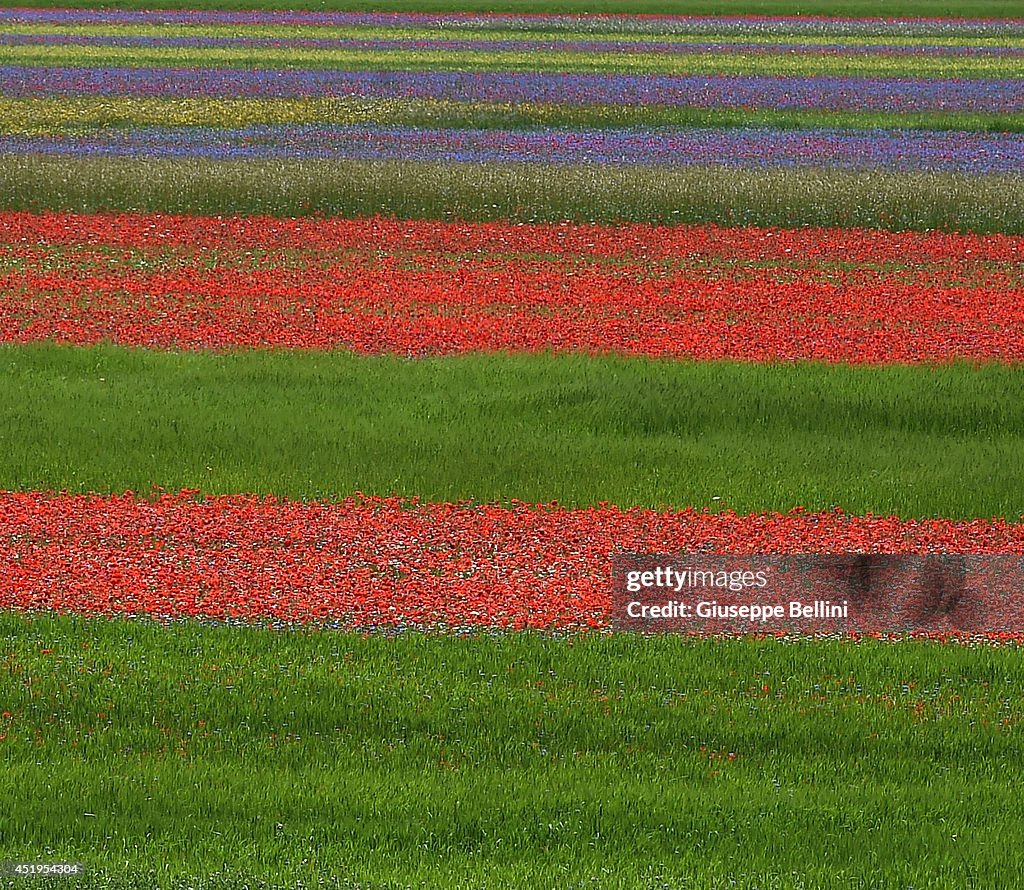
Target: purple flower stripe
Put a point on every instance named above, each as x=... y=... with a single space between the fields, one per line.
x=727 y=91
x=624 y=47
x=595 y=23
x=756 y=147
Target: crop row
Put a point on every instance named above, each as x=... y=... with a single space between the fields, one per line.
x=370 y=562
x=761 y=26
x=739 y=91
x=397 y=38
x=202 y=38
x=462 y=288
x=561 y=60
x=73 y=115
x=378 y=310
x=754 y=147
x=272 y=240
x=505 y=759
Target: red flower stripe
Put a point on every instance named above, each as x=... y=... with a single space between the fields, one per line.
x=373 y=562
x=526 y=309
x=135 y=230
x=376 y=286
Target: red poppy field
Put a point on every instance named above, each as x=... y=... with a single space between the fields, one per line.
x=372 y=563
x=421 y=288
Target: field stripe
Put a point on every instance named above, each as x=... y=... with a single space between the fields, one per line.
x=511 y=760
x=815 y=295
x=754 y=147
x=910 y=441
x=75 y=115
x=518 y=192
x=992 y=17
x=392 y=563
x=740 y=90
x=269 y=58
x=199 y=37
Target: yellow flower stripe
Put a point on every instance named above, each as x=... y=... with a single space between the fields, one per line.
x=54 y=116
x=541 y=61
x=38 y=117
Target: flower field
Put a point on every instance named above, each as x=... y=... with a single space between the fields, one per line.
x=447 y=74
x=379 y=286
x=344 y=352
x=390 y=564
x=484 y=94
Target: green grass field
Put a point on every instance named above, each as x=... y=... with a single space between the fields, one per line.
x=192 y=756
x=978 y=8
x=597 y=30
x=530 y=193
x=911 y=441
